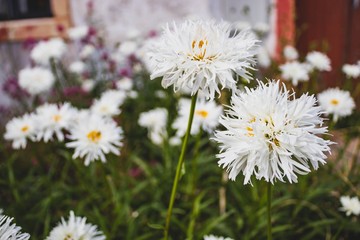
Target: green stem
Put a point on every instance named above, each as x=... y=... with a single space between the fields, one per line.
x=178 y=168
x=269 y=236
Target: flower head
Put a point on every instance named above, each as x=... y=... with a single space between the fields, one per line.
x=319 y=61
x=155 y=121
x=93 y=137
x=271 y=135
x=77 y=33
x=20 y=129
x=75 y=228
x=202 y=55
x=109 y=103
x=36 y=80
x=294 y=72
x=10 y=231
x=45 y=50
x=212 y=237
x=290 y=53
x=350 y=205
x=351 y=71
x=77 y=67
x=337 y=102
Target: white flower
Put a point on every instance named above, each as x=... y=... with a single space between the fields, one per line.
x=261 y=27
x=77 y=67
x=87 y=51
x=241 y=25
x=202 y=55
x=337 y=102
x=351 y=71
x=44 y=50
x=128 y=47
x=10 y=231
x=294 y=72
x=290 y=53
x=263 y=57
x=109 y=103
x=318 y=61
x=75 y=228
x=271 y=135
x=53 y=119
x=212 y=237
x=88 y=85
x=36 y=80
x=20 y=129
x=206 y=116
x=95 y=136
x=125 y=84
x=350 y=205
x=77 y=33
x=133 y=94
x=175 y=141
x=155 y=121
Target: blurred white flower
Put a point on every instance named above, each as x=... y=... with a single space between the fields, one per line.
x=175 y=141
x=263 y=57
x=77 y=67
x=202 y=55
x=53 y=119
x=337 y=102
x=133 y=34
x=241 y=25
x=9 y=231
x=133 y=94
x=20 y=129
x=128 y=47
x=295 y=72
x=318 y=61
x=94 y=137
x=88 y=85
x=351 y=71
x=155 y=121
x=44 y=50
x=77 y=33
x=75 y=228
x=212 y=237
x=160 y=94
x=109 y=103
x=87 y=51
x=206 y=116
x=290 y=53
x=125 y=84
x=36 y=80
x=261 y=27
x=270 y=134
x=350 y=205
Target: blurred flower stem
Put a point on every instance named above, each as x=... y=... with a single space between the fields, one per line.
x=269 y=186
x=179 y=167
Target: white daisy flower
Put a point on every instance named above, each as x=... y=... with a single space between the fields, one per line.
x=337 y=102
x=109 y=103
x=351 y=71
x=77 y=33
x=77 y=67
x=290 y=53
x=202 y=55
x=36 y=80
x=206 y=116
x=75 y=228
x=271 y=135
x=44 y=50
x=20 y=129
x=9 y=231
x=263 y=57
x=94 y=137
x=125 y=84
x=87 y=51
x=350 y=205
x=88 y=85
x=155 y=121
x=295 y=72
x=318 y=61
x=53 y=119
x=212 y=237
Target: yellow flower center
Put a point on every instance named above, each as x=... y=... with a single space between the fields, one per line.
x=202 y=113
x=25 y=128
x=56 y=117
x=199 y=50
x=94 y=136
x=334 y=101
x=250 y=131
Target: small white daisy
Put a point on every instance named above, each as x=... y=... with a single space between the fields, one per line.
x=77 y=33
x=75 y=228
x=155 y=121
x=88 y=85
x=270 y=134
x=44 y=50
x=20 y=129
x=350 y=205
x=351 y=71
x=319 y=61
x=53 y=119
x=337 y=102
x=295 y=72
x=290 y=53
x=212 y=237
x=77 y=67
x=202 y=55
x=263 y=57
x=87 y=51
x=125 y=84
x=9 y=231
x=36 y=80
x=95 y=136
x=109 y=103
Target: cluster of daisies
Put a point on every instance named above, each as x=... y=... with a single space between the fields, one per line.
x=91 y=132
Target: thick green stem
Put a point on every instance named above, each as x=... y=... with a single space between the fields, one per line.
x=178 y=168
x=269 y=235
